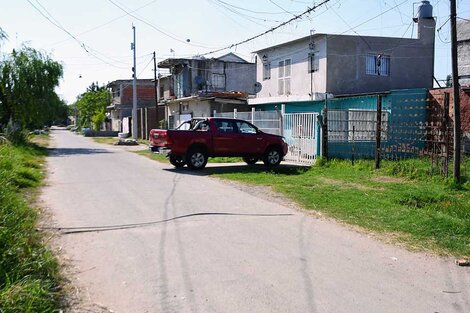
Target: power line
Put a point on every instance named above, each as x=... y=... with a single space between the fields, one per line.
x=156 y=28
x=281 y=7
x=347 y=24
x=248 y=10
x=296 y=17
x=230 y=8
x=87 y=48
x=108 y=22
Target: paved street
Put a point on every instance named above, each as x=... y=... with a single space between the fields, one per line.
x=262 y=257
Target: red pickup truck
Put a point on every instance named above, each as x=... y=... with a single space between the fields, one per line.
x=218 y=137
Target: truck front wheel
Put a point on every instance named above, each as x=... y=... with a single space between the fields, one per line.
x=196 y=159
x=272 y=157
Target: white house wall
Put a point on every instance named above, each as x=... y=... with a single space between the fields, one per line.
x=300 y=77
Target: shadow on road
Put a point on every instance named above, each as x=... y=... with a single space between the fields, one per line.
x=248 y=169
x=59 y=152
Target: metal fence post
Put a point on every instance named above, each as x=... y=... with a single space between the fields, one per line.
x=353 y=145
x=324 y=142
x=281 y=119
x=234 y=113
x=378 y=132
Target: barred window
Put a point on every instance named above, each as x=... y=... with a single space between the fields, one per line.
x=266 y=70
x=378 y=65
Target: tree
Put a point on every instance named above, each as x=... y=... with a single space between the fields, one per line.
x=91 y=106
x=28 y=79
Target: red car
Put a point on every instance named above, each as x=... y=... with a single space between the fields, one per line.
x=218 y=137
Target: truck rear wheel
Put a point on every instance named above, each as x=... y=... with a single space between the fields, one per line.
x=250 y=160
x=176 y=161
x=196 y=159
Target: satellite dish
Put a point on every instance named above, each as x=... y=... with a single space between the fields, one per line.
x=258 y=87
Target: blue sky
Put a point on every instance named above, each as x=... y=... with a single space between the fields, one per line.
x=105 y=30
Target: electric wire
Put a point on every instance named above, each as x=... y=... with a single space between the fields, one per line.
x=106 y=23
x=347 y=24
x=248 y=10
x=296 y=17
x=242 y=15
x=277 y=5
x=88 y=49
x=101 y=228
x=167 y=34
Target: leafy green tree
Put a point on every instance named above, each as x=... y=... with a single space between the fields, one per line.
x=28 y=79
x=91 y=106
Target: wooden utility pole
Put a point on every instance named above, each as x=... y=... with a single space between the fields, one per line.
x=157 y=92
x=456 y=90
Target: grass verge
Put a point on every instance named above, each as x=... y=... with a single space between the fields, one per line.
x=29 y=273
x=399 y=202
x=106 y=140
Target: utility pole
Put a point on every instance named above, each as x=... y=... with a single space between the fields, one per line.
x=134 y=92
x=157 y=87
x=311 y=60
x=456 y=90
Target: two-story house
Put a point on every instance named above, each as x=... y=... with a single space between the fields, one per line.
x=463 y=51
x=313 y=66
x=202 y=86
x=120 y=109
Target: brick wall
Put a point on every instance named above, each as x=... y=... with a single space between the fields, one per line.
x=145 y=95
x=437 y=98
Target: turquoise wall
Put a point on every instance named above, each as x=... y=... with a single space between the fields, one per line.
x=406 y=107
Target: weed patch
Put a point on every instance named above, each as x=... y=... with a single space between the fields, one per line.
x=29 y=274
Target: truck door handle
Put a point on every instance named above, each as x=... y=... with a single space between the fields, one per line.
x=259 y=138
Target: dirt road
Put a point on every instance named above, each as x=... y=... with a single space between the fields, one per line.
x=244 y=254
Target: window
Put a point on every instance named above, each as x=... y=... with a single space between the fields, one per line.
x=225 y=126
x=171 y=121
x=245 y=128
x=284 y=73
x=313 y=62
x=378 y=65
x=202 y=126
x=218 y=81
x=266 y=70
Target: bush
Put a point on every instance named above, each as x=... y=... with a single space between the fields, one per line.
x=15 y=134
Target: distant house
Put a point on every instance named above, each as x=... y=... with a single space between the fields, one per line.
x=308 y=68
x=120 y=108
x=200 y=86
x=463 y=51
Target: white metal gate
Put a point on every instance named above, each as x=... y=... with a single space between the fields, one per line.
x=300 y=131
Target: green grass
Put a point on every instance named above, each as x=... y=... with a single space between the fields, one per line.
x=29 y=273
x=400 y=202
x=106 y=140
x=154 y=156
